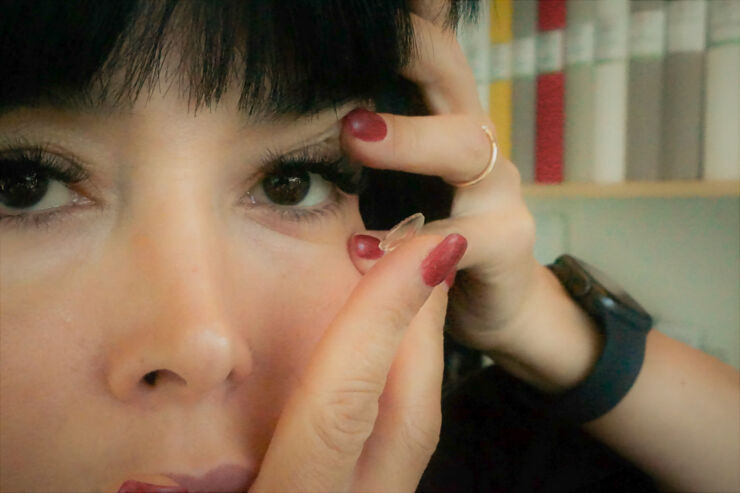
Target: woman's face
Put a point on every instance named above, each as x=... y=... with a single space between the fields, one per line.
x=156 y=314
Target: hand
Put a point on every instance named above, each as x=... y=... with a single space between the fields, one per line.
x=490 y=296
x=366 y=416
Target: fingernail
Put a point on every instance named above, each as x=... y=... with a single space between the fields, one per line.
x=132 y=486
x=366 y=246
x=442 y=261
x=365 y=125
x=450 y=279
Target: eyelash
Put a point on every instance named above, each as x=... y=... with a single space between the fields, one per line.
x=68 y=172
x=54 y=166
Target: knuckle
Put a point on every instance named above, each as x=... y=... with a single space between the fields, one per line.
x=420 y=431
x=516 y=176
x=477 y=146
x=345 y=418
x=526 y=229
x=400 y=314
x=396 y=313
x=406 y=138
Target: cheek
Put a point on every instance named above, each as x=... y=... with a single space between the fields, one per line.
x=42 y=323
x=300 y=296
x=300 y=291
x=302 y=286
x=44 y=373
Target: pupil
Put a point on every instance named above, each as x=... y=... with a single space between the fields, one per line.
x=22 y=186
x=287 y=188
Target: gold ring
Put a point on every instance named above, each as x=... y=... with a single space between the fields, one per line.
x=489 y=168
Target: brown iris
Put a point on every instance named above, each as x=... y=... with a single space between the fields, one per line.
x=21 y=187
x=287 y=188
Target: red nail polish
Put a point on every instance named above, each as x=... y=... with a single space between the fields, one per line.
x=450 y=279
x=132 y=486
x=366 y=246
x=442 y=261
x=365 y=125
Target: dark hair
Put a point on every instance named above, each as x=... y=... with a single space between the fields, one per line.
x=291 y=57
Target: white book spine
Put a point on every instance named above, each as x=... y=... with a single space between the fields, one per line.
x=686 y=26
x=610 y=106
x=580 y=45
x=722 y=120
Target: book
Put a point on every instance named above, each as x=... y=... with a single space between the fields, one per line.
x=579 y=92
x=500 y=76
x=551 y=22
x=722 y=117
x=610 y=90
x=645 y=90
x=523 y=90
x=683 y=89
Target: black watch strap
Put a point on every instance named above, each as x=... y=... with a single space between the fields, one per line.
x=611 y=378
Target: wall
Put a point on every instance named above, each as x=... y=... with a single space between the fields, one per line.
x=678 y=257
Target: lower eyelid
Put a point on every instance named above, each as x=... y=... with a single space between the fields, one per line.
x=299 y=215
x=49 y=218
x=310 y=215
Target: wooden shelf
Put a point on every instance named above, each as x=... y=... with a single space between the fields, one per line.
x=635 y=189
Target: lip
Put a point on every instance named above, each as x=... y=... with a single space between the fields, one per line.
x=222 y=479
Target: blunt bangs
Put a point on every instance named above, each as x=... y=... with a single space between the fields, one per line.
x=289 y=56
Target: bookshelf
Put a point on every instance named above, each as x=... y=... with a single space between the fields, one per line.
x=674 y=189
x=565 y=81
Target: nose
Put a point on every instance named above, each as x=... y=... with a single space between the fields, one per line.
x=177 y=338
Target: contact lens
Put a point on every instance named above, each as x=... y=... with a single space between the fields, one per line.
x=402 y=231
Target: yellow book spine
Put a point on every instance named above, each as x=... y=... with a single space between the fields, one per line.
x=500 y=104
x=500 y=86
x=500 y=20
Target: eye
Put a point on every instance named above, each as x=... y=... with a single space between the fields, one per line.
x=34 y=184
x=292 y=188
x=310 y=184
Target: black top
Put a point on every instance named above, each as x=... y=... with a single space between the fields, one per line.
x=492 y=441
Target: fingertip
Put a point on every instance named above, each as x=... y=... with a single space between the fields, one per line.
x=442 y=261
x=364 y=251
x=365 y=246
x=365 y=125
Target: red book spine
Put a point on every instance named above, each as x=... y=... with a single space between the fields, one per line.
x=550 y=95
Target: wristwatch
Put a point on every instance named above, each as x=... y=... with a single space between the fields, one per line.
x=624 y=325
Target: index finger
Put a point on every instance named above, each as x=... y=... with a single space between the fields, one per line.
x=454 y=147
x=324 y=426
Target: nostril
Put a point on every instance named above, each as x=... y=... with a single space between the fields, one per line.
x=160 y=377
x=151 y=378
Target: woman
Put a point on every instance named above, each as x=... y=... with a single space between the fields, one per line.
x=190 y=300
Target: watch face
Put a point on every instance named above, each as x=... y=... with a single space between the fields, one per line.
x=616 y=292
